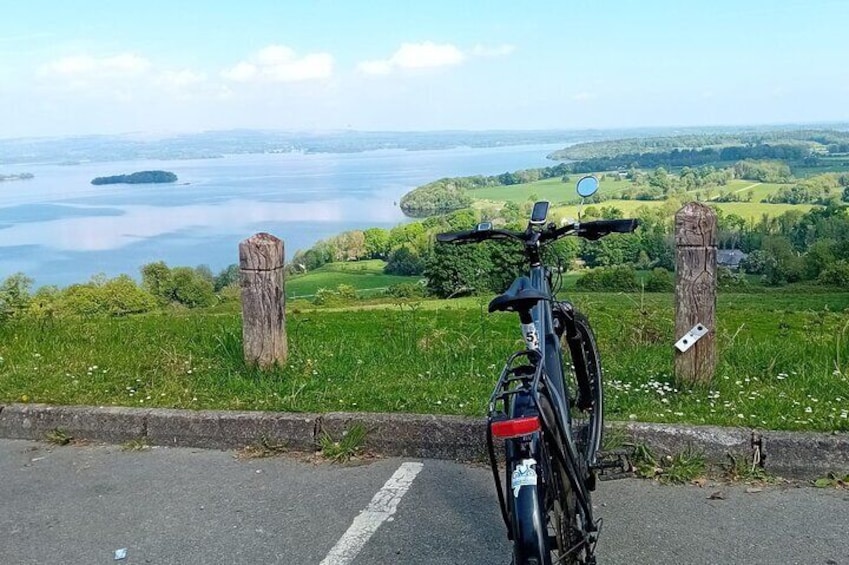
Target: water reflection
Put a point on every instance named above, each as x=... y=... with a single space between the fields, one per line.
x=124 y=225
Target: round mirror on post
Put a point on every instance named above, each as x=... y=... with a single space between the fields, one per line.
x=587 y=186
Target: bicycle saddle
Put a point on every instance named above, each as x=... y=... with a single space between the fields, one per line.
x=520 y=297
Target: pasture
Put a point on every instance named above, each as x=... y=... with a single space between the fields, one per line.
x=361 y=275
x=565 y=202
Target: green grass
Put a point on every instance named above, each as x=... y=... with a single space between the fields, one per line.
x=783 y=360
x=554 y=190
x=558 y=192
x=362 y=275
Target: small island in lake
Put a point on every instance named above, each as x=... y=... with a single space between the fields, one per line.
x=141 y=177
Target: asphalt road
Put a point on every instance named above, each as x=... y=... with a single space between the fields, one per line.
x=77 y=505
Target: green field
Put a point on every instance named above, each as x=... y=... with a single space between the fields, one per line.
x=554 y=190
x=558 y=192
x=783 y=360
x=362 y=275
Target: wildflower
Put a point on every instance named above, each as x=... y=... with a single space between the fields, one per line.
x=808 y=410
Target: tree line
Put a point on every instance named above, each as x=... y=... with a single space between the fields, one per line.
x=161 y=287
x=824 y=139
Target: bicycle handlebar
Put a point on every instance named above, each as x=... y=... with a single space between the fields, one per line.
x=588 y=230
x=600 y=228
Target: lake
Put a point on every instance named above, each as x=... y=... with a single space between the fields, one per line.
x=60 y=229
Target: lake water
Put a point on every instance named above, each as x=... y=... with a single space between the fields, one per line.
x=59 y=229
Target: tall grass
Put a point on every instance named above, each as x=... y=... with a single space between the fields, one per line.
x=784 y=360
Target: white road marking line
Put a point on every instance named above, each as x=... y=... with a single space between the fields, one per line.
x=381 y=507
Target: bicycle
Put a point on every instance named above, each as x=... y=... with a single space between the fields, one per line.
x=549 y=420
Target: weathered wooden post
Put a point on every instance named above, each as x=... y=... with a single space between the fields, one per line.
x=263 y=300
x=695 y=293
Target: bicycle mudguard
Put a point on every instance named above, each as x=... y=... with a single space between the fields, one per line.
x=525 y=501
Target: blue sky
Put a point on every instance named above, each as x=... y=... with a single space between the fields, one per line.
x=107 y=67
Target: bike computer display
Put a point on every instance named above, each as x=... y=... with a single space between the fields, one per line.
x=540 y=212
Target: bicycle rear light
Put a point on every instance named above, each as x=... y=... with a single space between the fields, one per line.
x=516 y=427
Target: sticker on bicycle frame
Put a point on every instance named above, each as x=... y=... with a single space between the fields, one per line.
x=531 y=336
x=523 y=475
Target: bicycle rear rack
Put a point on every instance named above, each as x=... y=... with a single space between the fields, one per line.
x=525 y=379
x=514 y=379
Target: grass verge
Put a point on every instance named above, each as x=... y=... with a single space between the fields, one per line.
x=783 y=360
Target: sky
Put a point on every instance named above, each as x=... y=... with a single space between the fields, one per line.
x=100 y=67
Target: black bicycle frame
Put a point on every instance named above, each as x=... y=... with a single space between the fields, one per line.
x=548 y=371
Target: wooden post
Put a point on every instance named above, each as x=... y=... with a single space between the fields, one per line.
x=263 y=300
x=695 y=291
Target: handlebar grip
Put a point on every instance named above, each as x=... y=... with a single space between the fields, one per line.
x=600 y=228
x=453 y=236
x=619 y=226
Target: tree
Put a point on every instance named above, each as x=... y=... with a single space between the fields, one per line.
x=228 y=276
x=376 y=243
x=182 y=285
x=783 y=264
x=660 y=179
x=155 y=278
x=403 y=261
x=457 y=269
x=189 y=288
x=819 y=256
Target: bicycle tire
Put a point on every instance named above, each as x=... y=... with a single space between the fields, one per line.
x=562 y=505
x=587 y=427
x=587 y=424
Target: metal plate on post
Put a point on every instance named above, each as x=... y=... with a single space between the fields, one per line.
x=691 y=337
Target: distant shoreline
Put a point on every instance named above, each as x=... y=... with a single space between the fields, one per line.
x=21 y=176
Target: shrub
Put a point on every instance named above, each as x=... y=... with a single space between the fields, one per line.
x=230 y=293
x=836 y=274
x=346 y=292
x=14 y=295
x=114 y=297
x=726 y=279
x=190 y=288
x=609 y=279
x=406 y=290
x=659 y=280
x=184 y=285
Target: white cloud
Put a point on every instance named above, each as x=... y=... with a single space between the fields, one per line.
x=79 y=65
x=493 y=51
x=426 y=55
x=181 y=78
x=429 y=55
x=375 y=67
x=278 y=63
x=583 y=96
x=415 y=56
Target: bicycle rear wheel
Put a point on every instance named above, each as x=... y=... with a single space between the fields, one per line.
x=584 y=385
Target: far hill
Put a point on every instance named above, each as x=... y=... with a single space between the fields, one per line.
x=141 y=177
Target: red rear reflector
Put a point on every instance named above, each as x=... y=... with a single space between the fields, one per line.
x=515 y=427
